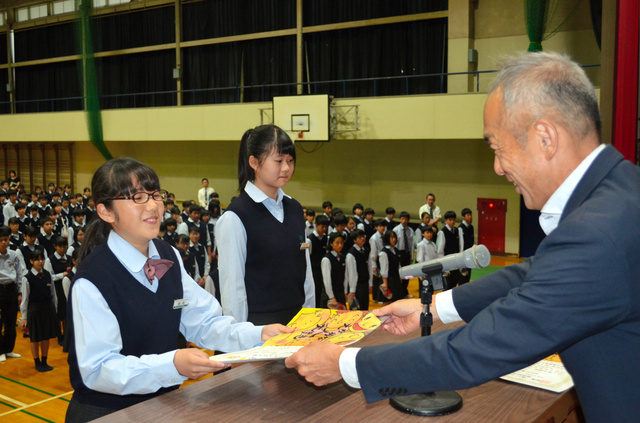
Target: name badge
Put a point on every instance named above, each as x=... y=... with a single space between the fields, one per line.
x=180 y=303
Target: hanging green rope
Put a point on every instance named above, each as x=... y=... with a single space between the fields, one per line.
x=89 y=79
x=535 y=12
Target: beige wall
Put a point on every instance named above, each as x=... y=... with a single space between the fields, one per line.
x=405 y=147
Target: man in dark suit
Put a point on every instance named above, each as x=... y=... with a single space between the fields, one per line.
x=579 y=295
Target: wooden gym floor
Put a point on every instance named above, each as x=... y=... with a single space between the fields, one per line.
x=27 y=395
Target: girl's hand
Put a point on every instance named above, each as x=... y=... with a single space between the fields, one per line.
x=193 y=363
x=23 y=323
x=351 y=296
x=333 y=302
x=270 y=331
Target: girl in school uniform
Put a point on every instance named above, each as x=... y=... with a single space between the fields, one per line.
x=263 y=260
x=390 y=267
x=131 y=298
x=38 y=309
x=333 y=271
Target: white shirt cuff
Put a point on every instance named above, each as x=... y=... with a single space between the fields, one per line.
x=445 y=307
x=348 y=367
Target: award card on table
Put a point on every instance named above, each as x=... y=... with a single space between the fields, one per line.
x=312 y=324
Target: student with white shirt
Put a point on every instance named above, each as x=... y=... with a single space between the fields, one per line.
x=131 y=298
x=265 y=272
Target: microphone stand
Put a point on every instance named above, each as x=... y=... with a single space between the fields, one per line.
x=430 y=403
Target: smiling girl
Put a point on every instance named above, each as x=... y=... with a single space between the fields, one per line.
x=131 y=299
x=265 y=274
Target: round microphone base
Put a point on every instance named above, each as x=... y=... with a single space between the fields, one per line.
x=429 y=404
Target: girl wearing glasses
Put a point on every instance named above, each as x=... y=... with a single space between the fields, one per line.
x=263 y=259
x=126 y=312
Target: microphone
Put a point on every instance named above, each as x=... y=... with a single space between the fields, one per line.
x=475 y=257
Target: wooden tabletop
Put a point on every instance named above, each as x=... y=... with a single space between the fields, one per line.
x=265 y=391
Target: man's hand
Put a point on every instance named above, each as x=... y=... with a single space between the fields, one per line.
x=405 y=316
x=193 y=363
x=317 y=362
x=270 y=331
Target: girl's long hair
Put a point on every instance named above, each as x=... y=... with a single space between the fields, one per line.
x=116 y=178
x=259 y=143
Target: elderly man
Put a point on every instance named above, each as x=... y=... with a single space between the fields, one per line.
x=579 y=295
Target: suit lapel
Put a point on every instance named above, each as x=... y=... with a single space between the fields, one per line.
x=599 y=169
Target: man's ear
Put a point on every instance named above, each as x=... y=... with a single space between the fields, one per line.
x=546 y=137
x=105 y=214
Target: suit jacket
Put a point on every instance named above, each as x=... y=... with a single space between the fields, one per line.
x=579 y=295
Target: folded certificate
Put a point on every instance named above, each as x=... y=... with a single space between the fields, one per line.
x=312 y=324
x=548 y=374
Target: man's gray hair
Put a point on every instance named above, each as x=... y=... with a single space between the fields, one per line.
x=547 y=85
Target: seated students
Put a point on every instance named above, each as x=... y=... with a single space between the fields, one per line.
x=333 y=271
x=58 y=265
x=357 y=270
x=318 y=243
x=16 y=239
x=450 y=241
x=375 y=247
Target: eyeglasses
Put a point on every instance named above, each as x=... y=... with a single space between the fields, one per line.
x=143 y=197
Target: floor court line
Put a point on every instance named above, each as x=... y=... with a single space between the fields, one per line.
x=25 y=406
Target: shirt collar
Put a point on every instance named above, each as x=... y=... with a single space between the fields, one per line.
x=553 y=208
x=58 y=256
x=258 y=196
x=126 y=253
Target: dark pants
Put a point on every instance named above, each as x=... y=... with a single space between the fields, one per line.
x=282 y=317
x=362 y=295
x=464 y=278
x=453 y=279
x=405 y=260
x=9 y=315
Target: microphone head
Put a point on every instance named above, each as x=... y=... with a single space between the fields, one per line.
x=480 y=257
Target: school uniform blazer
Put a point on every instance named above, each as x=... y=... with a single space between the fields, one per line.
x=579 y=296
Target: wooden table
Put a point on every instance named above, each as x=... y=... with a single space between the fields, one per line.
x=267 y=391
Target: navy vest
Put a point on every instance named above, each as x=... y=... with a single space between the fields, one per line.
x=362 y=264
x=467 y=236
x=318 y=249
x=154 y=331
x=58 y=266
x=452 y=241
x=202 y=229
x=39 y=288
x=337 y=275
x=199 y=255
x=276 y=266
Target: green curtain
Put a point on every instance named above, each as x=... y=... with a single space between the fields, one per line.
x=535 y=12
x=89 y=79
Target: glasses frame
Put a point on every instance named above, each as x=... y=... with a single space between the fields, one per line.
x=163 y=193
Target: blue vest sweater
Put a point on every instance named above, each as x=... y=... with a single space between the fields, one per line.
x=148 y=323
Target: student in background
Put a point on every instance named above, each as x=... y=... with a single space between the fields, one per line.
x=450 y=241
x=111 y=366
x=426 y=248
x=78 y=239
x=23 y=219
x=46 y=235
x=375 y=247
x=10 y=275
x=170 y=225
x=318 y=245
x=38 y=308
x=357 y=270
x=265 y=272
x=405 y=246
x=358 y=213
x=351 y=225
x=390 y=213
x=333 y=271
x=16 y=238
x=327 y=208
x=58 y=265
x=367 y=224
x=390 y=268
x=468 y=239
x=201 y=257
x=309 y=226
